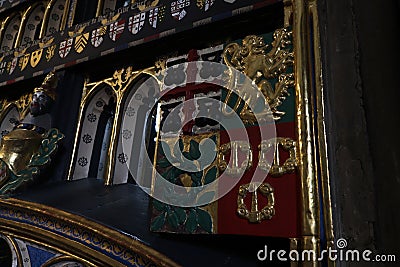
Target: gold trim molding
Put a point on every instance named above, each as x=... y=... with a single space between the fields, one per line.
x=74 y=236
x=311 y=145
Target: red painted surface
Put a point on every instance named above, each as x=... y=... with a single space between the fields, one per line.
x=285 y=222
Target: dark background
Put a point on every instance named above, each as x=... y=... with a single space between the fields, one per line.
x=360 y=42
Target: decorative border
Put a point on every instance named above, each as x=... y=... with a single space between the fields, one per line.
x=113 y=245
x=44 y=55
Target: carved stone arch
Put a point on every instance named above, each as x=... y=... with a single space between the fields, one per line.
x=99 y=102
x=54 y=17
x=10 y=32
x=32 y=24
x=8 y=117
x=134 y=129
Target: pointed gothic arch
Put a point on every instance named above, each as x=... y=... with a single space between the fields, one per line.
x=54 y=17
x=92 y=137
x=136 y=128
x=31 y=24
x=10 y=29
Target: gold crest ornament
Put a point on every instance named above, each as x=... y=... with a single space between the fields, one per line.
x=23 y=61
x=108 y=21
x=36 y=57
x=23 y=104
x=81 y=42
x=50 y=51
x=264 y=64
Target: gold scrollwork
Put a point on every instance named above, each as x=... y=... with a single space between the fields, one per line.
x=255 y=215
x=120 y=78
x=22 y=104
x=237 y=168
x=276 y=169
x=160 y=64
x=263 y=63
x=200 y=3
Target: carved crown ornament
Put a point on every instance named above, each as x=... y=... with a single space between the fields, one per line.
x=267 y=65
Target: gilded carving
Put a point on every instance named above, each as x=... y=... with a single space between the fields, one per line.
x=29 y=146
x=267 y=65
x=23 y=104
x=236 y=169
x=121 y=77
x=276 y=168
x=50 y=51
x=254 y=215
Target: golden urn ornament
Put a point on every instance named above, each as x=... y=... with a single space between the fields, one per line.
x=29 y=146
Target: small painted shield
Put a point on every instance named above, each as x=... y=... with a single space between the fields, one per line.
x=65 y=47
x=2 y=67
x=23 y=61
x=116 y=29
x=97 y=36
x=136 y=22
x=153 y=17
x=178 y=9
x=11 y=65
x=81 y=42
x=4 y=173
